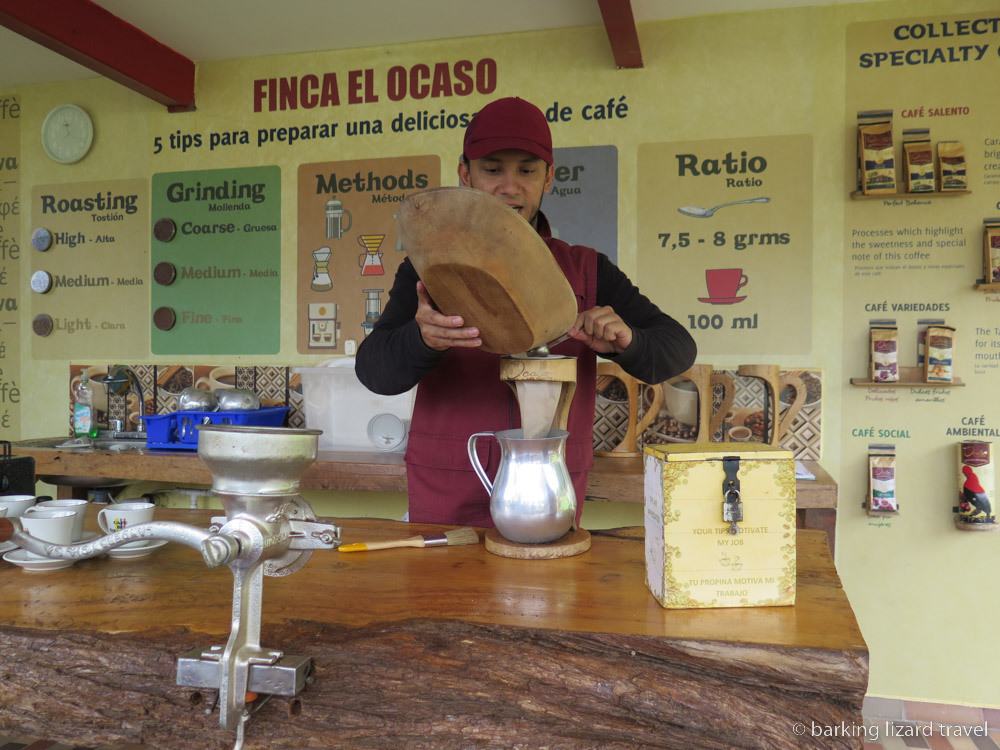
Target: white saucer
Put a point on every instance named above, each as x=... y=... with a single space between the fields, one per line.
x=7 y=547
x=126 y=553
x=19 y=557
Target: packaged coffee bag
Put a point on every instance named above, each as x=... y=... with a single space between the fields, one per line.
x=940 y=354
x=922 y=326
x=883 y=359
x=918 y=161
x=951 y=166
x=882 y=480
x=991 y=251
x=876 y=153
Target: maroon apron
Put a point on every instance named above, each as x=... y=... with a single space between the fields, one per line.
x=464 y=395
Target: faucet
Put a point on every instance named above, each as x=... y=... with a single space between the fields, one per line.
x=121 y=379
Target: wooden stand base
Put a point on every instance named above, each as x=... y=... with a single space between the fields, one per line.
x=964 y=526
x=568 y=545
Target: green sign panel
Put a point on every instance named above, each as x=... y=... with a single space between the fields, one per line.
x=216 y=256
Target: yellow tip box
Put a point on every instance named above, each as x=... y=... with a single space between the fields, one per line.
x=720 y=525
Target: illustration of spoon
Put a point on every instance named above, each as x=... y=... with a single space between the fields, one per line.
x=704 y=213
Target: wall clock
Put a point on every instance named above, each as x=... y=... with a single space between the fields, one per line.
x=67 y=133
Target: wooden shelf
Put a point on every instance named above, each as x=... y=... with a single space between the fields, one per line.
x=993 y=286
x=908 y=376
x=859 y=196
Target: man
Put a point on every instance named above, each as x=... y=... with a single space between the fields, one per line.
x=508 y=154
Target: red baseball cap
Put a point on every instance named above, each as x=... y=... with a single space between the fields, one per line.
x=508 y=123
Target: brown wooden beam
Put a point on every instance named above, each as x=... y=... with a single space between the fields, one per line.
x=620 y=24
x=93 y=37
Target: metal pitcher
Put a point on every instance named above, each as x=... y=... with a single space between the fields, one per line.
x=532 y=499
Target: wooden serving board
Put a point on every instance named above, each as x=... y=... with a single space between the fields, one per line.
x=574 y=542
x=481 y=260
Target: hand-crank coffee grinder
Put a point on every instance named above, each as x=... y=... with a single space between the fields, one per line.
x=268 y=530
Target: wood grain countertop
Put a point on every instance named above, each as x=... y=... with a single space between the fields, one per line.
x=449 y=646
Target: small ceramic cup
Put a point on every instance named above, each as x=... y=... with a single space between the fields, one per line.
x=123 y=515
x=78 y=506
x=16 y=504
x=740 y=434
x=53 y=526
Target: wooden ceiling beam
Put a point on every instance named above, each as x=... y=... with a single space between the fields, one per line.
x=620 y=24
x=93 y=37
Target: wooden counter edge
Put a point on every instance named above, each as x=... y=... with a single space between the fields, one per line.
x=612 y=479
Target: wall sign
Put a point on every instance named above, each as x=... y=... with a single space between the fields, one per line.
x=89 y=277
x=582 y=206
x=216 y=259
x=348 y=247
x=725 y=240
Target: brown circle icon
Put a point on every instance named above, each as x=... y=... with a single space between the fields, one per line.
x=164 y=318
x=165 y=273
x=42 y=324
x=164 y=230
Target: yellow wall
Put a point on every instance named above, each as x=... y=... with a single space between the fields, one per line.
x=921 y=590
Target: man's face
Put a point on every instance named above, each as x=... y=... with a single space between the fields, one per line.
x=516 y=177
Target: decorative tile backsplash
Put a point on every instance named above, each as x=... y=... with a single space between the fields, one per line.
x=278 y=386
x=162 y=384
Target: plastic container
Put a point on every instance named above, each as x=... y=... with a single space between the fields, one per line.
x=351 y=417
x=179 y=430
x=84 y=424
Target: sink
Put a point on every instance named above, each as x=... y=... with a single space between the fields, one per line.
x=85 y=444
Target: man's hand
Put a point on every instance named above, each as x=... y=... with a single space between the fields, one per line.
x=440 y=331
x=602 y=330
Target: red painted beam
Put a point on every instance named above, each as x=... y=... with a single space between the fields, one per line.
x=620 y=24
x=93 y=37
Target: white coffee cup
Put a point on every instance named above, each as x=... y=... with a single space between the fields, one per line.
x=76 y=505
x=16 y=504
x=3 y=511
x=123 y=515
x=53 y=526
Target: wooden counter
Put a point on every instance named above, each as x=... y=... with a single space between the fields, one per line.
x=447 y=647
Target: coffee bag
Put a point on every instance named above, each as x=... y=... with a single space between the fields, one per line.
x=884 y=353
x=991 y=251
x=918 y=161
x=882 y=480
x=876 y=153
x=940 y=354
x=951 y=166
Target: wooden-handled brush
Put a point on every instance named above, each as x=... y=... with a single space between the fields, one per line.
x=453 y=537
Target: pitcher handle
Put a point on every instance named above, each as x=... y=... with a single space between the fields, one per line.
x=474 y=458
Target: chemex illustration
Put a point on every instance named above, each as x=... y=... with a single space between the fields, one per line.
x=371 y=260
x=703 y=213
x=321 y=281
x=723 y=285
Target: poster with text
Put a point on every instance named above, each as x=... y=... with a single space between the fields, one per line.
x=348 y=249
x=725 y=241
x=90 y=270
x=216 y=261
x=582 y=205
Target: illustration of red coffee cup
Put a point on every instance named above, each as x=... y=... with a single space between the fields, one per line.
x=723 y=285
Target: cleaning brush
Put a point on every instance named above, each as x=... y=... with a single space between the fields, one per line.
x=453 y=537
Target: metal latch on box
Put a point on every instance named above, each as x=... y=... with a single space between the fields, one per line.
x=732 y=505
